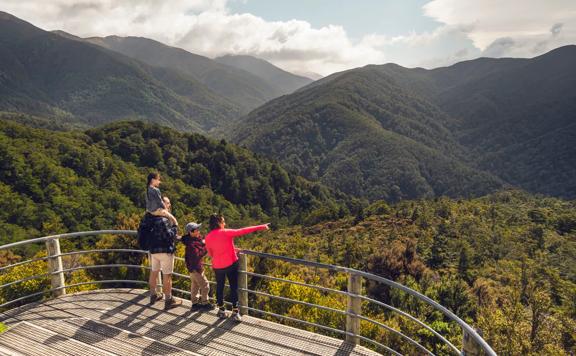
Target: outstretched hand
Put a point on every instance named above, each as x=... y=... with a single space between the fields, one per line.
x=267 y=226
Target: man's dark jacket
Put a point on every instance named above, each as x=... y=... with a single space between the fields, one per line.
x=159 y=234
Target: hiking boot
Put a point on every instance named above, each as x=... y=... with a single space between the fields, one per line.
x=221 y=314
x=156 y=297
x=236 y=316
x=206 y=306
x=195 y=307
x=171 y=303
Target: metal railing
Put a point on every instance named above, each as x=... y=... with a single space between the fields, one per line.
x=472 y=342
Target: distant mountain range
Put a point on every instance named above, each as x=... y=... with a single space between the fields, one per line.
x=384 y=131
x=247 y=82
x=62 y=76
x=285 y=82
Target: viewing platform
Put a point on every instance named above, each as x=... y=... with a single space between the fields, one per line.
x=51 y=319
x=120 y=322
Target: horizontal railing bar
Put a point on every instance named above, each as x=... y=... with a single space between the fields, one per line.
x=100 y=266
x=93 y=282
x=70 y=270
x=183 y=260
x=394 y=331
x=81 y=252
x=342 y=312
x=295 y=261
x=298 y=283
x=72 y=253
x=188 y=276
x=72 y=285
x=321 y=327
x=180 y=275
x=300 y=321
x=181 y=291
x=26 y=279
x=24 y=262
x=69 y=235
x=454 y=348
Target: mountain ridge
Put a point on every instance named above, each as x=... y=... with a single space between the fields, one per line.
x=243 y=88
x=47 y=74
x=475 y=113
x=285 y=81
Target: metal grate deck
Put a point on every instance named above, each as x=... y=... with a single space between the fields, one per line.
x=119 y=322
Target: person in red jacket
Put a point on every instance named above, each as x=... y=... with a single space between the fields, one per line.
x=220 y=246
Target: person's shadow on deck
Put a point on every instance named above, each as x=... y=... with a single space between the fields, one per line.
x=114 y=312
x=195 y=342
x=160 y=331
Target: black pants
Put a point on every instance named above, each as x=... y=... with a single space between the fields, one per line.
x=232 y=273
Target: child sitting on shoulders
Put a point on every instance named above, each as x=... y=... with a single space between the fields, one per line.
x=154 y=203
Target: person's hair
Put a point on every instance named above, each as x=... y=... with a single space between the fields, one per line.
x=153 y=175
x=215 y=221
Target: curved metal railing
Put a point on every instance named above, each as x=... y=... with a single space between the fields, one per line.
x=471 y=339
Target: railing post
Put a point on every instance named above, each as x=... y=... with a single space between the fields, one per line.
x=55 y=265
x=354 y=308
x=469 y=346
x=243 y=283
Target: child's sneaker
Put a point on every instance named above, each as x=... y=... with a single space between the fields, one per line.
x=156 y=297
x=221 y=313
x=171 y=303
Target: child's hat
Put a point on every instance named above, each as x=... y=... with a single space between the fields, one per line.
x=191 y=227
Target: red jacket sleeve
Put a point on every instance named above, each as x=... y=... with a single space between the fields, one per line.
x=243 y=231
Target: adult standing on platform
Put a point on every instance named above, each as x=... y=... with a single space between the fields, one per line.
x=162 y=247
x=220 y=246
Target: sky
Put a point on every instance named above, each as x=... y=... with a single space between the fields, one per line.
x=322 y=36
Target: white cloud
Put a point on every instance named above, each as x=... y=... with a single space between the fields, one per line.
x=468 y=29
x=521 y=28
x=294 y=45
x=204 y=27
x=444 y=46
x=165 y=21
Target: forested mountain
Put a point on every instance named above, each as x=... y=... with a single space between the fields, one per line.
x=364 y=134
x=518 y=119
x=72 y=181
x=47 y=74
x=286 y=82
x=246 y=90
x=512 y=119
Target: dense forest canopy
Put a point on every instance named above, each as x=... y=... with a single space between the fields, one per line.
x=73 y=181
